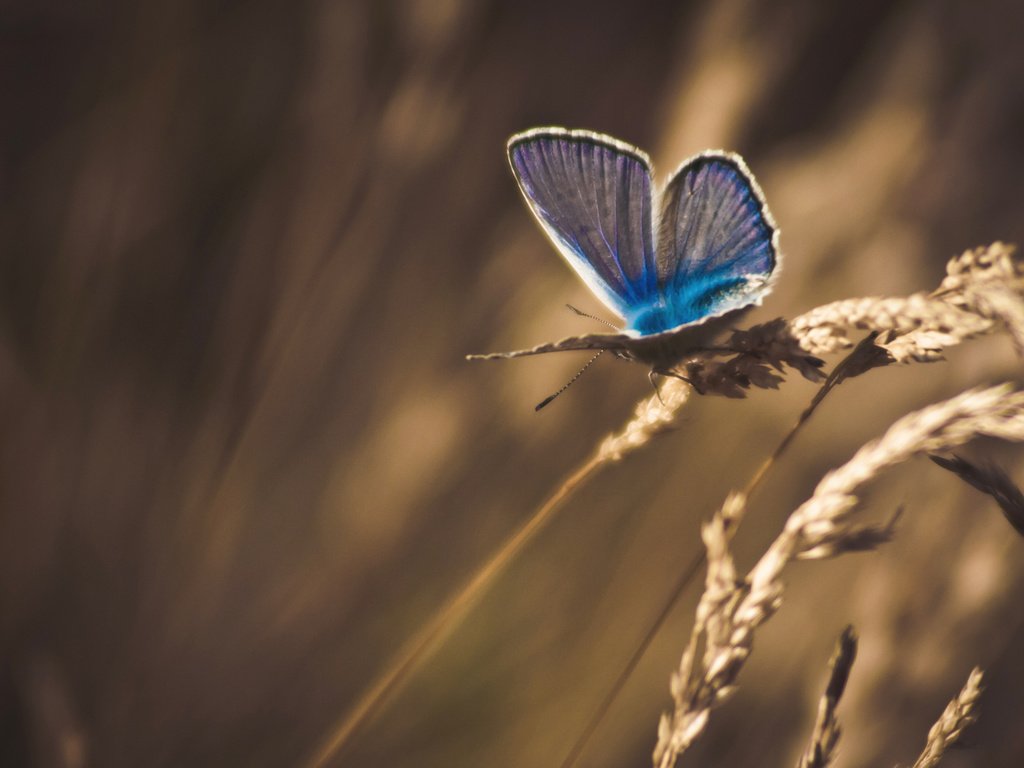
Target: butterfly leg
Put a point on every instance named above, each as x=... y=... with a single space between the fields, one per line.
x=668 y=372
x=651 y=377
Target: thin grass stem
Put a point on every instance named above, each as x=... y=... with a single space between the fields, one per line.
x=840 y=372
x=443 y=621
x=652 y=416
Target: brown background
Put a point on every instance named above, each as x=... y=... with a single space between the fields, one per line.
x=243 y=250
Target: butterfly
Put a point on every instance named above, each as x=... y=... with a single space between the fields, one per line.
x=675 y=264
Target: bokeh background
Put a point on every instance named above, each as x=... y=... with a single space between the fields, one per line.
x=244 y=247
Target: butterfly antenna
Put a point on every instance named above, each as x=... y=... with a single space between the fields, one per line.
x=570 y=382
x=581 y=313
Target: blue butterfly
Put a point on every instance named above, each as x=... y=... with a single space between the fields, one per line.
x=674 y=275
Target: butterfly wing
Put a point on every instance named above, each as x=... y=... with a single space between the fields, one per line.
x=717 y=243
x=592 y=196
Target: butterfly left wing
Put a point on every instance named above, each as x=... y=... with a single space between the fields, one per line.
x=717 y=242
x=592 y=195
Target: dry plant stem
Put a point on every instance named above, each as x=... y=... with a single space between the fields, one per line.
x=838 y=374
x=416 y=649
x=821 y=751
x=976 y=294
x=652 y=415
x=981 y=293
x=627 y=671
x=731 y=609
x=959 y=714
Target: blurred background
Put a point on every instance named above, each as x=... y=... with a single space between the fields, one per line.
x=244 y=248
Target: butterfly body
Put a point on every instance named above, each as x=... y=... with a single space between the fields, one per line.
x=676 y=266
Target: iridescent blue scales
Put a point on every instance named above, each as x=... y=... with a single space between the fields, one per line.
x=702 y=250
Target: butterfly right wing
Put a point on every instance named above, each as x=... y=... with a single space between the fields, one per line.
x=717 y=242
x=592 y=196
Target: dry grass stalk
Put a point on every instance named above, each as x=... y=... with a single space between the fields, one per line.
x=653 y=415
x=981 y=293
x=959 y=714
x=732 y=609
x=970 y=301
x=987 y=282
x=915 y=328
x=982 y=290
x=821 y=751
